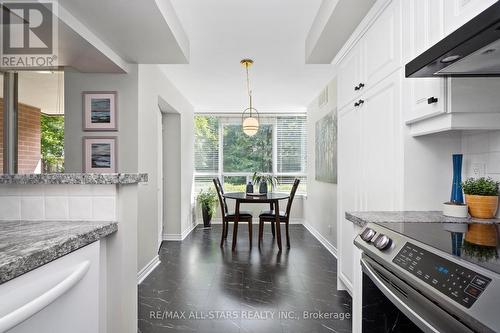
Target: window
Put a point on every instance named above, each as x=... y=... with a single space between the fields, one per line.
x=223 y=150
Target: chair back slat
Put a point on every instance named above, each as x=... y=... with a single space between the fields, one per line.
x=220 y=193
x=292 y=196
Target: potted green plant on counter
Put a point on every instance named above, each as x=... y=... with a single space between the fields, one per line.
x=264 y=181
x=208 y=201
x=481 y=196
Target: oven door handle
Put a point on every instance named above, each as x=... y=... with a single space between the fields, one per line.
x=412 y=315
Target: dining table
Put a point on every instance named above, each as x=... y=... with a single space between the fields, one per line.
x=272 y=198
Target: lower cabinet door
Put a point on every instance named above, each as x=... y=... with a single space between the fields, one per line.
x=348 y=187
x=59 y=297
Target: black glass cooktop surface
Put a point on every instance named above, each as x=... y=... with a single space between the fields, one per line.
x=476 y=243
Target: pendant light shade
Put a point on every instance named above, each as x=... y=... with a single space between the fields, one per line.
x=250 y=116
x=250 y=125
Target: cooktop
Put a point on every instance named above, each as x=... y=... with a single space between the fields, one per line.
x=475 y=243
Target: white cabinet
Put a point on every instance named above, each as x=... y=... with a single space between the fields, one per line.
x=424 y=26
x=349 y=148
x=350 y=76
x=458 y=12
x=381 y=50
x=381 y=145
x=375 y=56
x=370 y=162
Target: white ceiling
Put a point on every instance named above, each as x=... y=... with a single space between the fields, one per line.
x=272 y=32
x=140 y=31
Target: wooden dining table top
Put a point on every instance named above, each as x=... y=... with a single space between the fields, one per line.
x=260 y=198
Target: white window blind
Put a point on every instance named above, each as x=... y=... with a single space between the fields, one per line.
x=291 y=144
x=206 y=142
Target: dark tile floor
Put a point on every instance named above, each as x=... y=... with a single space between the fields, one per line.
x=199 y=287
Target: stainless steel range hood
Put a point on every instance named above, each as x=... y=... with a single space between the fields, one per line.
x=471 y=50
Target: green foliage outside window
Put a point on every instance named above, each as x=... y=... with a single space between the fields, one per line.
x=243 y=153
x=52 y=142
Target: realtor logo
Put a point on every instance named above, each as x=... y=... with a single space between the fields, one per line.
x=29 y=35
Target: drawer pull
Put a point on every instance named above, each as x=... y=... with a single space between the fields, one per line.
x=432 y=100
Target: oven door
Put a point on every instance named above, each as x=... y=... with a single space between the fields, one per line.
x=391 y=305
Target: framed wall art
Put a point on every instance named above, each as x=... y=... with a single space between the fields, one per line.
x=100 y=154
x=100 y=111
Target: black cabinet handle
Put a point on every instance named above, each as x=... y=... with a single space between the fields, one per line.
x=432 y=100
x=358 y=103
x=359 y=86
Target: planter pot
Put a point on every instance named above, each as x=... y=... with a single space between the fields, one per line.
x=263 y=188
x=482 y=207
x=482 y=234
x=455 y=210
x=207 y=218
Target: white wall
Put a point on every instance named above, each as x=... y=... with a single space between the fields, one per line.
x=321 y=203
x=155 y=89
x=481 y=153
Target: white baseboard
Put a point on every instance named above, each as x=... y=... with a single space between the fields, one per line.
x=179 y=237
x=146 y=270
x=329 y=246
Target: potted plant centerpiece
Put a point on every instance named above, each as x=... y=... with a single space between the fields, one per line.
x=208 y=200
x=481 y=196
x=264 y=181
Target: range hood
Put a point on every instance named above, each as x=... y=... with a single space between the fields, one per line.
x=471 y=50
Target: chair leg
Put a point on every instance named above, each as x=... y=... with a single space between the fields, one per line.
x=261 y=231
x=272 y=229
x=223 y=233
x=287 y=236
x=226 y=230
x=250 y=232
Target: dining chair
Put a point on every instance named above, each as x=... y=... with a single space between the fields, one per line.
x=230 y=217
x=284 y=217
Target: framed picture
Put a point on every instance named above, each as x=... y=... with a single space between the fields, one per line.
x=99 y=111
x=100 y=154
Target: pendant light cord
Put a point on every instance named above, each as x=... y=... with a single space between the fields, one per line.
x=248 y=88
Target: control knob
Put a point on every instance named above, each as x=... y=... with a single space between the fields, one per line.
x=367 y=234
x=382 y=242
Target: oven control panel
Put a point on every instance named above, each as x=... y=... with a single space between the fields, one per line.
x=462 y=285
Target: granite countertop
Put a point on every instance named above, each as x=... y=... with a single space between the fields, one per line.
x=75 y=178
x=362 y=218
x=26 y=245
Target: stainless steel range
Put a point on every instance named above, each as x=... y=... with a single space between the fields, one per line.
x=431 y=277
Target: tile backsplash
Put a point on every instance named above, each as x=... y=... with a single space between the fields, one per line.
x=58 y=202
x=481 y=154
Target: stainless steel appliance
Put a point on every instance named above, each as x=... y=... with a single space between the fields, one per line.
x=471 y=50
x=429 y=277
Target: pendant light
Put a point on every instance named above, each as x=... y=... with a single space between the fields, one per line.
x=250 y=116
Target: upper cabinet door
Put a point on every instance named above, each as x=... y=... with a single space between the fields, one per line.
x=382 y=46
x=424 y=26
x=458 y=12
x=349 y=77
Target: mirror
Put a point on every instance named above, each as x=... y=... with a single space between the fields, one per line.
x=40 y=125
